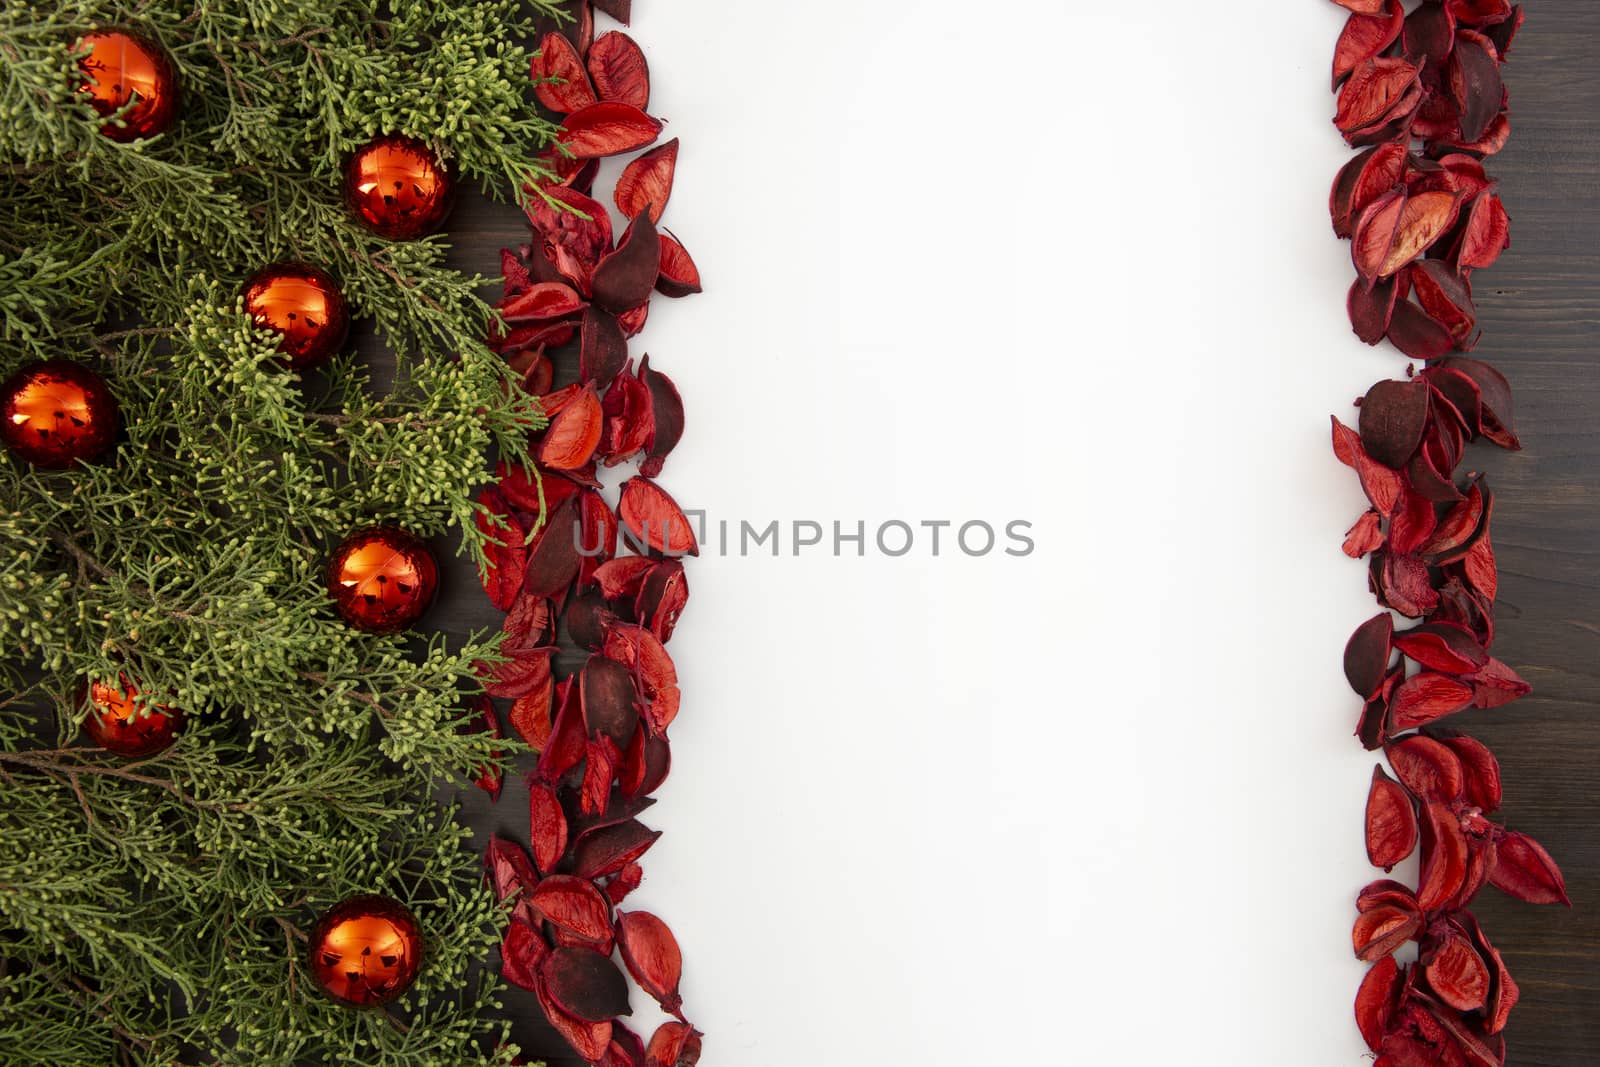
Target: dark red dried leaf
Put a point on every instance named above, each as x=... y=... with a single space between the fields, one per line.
x=627 y=1048
x=553 y=558
x=1366 y=37
x=655 y=520
x=541 y=303
x=547 y=830
x=608 y=698
x=1393 y=416
x=1377 y=1000
x=585 y=984
x=1427 y=697
x=1444 y=857
x=640 y=650
x=1473 y=78
x=652 y=956
x=1480 y=771
x=567 y=746
x=619 y=70
x=1391 y=822
x=608 y=128
x=1364 y=179
x=604 y=347
x=587 y=617
x=522 y=950
x=574 y=433
x=621 y=579
x=1480 y=569
x=1496 y=684
x=624 y=882
x=518 y=677
x=630 y=420
x=1502 y=33
x=1429 y=35
x=608 y=849
x=646 y=183
x=530 y=716
x=627 y=275
x=589 y=1040
x=1443 y=646
x=505 y=551
x=575 y=904
x=1460 y=525
x=1382 y=484
x=530 y=624
x=563 y=84
x=1371 y=307
x=1402 y=583
x=1365 y=536
x=1479 y=12
x=1385 y=892
x=483 y=720
x=666 y=408
x=1523 y=869
x=1498 y=421
x=509 y=872
x=621 y=10
x=1413 y=523
x=1487 y=233
x=1446 y=298
x=1428 y=768
x=632 y=321
x=1367 y=654
x=662 y=598
x=1413 y=332
x=1381 y=95
x=679 y=276
x=1457 y=973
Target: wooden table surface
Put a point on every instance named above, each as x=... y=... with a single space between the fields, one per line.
x=1540 y=311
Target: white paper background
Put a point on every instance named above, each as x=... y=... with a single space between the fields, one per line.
x=1099 y=805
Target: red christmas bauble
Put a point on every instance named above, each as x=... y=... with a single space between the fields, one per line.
x=125 y=68
x=366 y=950
x=398 y=188
x=382 y=579
x=117 y=724
x=304 y=305
x=56 y=412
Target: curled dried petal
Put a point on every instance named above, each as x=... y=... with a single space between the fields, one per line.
x=547 y=826
x=575 y=904
x=585 y=984
x=1381 y=931
x=1393 y=416
x=1391 y=822
x=652 y=957
x=563 y=83
x=1367 y=654
x=646 y=183
x=1458 y=974
x=1428 y=696
x=655 y=520
x=619 y=70
x=1377 y=1000
x=607 y=128
x=679 y=276
x=1444 y=857
x=1429 y=768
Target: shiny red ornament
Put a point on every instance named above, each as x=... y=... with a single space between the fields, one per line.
x=398 y=188
x=366 y=950
x=117 y=724
x=54 y=413
x=124 y=68
x=382 y=579
x=304 y=306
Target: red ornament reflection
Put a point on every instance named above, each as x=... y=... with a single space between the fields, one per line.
x=117 y=724
x=398 y=188
x=304 y=306
x=125 y=68
x=382 y=579
x=55 y=412
x=366 y=950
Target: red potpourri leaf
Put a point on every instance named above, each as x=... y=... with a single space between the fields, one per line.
x=572 y=231
x=1480 y=771
x=585 y=984
x=1428 y=768
x=529 y=625
x=522 y=487
x=522 y=950
x=1378 y=101
x=1367 y=654
x=674 y=1044
x=632 y=321
x=530 y=716
x=1413 y=332
x=563 y=82
x=1423 y=219
x=619 y=70
x=608 y=128
x=1443 y=646
x=508 y=871
x=1479 y=12
x=1386 y=892
x=1371 y=307
x=1428 y=696
x=589 y=1040
x=505 y=550
x=520 y=676
x=1365 y=536
x=666 y=408
x=1363 y=180
x=1393 y=416
x=1473 y=78
x=547 y=826
x=1366 y=37
x=1413 y=523
x=575 y=904
x=599 y=531
x=1498 y=422
x=605 y=349
x=1444 y=857
x=640 y=650
x=646 y=183
x=541 y=303
x=553 y=558
x=1459 y=525
x=629 y=420
x=679 y=276
x=1446 y=298
x=662 y=598
x=622 y=578
x=1496 y=684
x=624 y=882
x=1391 y=822
x=1457 y=973
x=621 y=10
x=567 y=745
x=1363 y=7
x=1377 y=1000
x=1486 y=234
x=1503 y=991
x=599 y=771
x=483 y=720
x=1402 y=583
x=1382 y=484
x=608 y=698
x=608 y=849
x=574 y=433
x=625 y=277
x=587 y=618
x=654 y=519
x=1429 y=36
x=627 y=1048
x=652 y=956
x=1380 y=932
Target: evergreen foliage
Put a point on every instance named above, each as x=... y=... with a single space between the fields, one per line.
x=153 y=912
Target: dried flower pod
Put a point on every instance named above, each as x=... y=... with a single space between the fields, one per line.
x=1378 y=100
x=1382 y=484
x=563 y=83
x=655 y=520
x=1365 y=536
x=627 y=275
x=585 y=984
x=1443 y=646
x=619 y=70
x=1474 y=82
x=589 y=1039
x=1377 y=1001
x=1444 y=857
x=522 y=950
x=1429 y=696
x=608 y=849
x=1391 y=822
x=1480 y=778
x=483 y=720
x=1446 y=298
x=505 y=550
x=1393 y=416
x=574 y=904
x=652 y=956
x=572 y=232
x=1381 y=931
x=1498 y=422
x=604 y=351
x=674 y=1044
x=1367 y=654
x=666 y=408
x=1455 y=970
x=1523 y=869
x=1428 y=768
x=509 y=873
x=547 y=826
x=1366 y=37
x=646 y=183
x=607 y=128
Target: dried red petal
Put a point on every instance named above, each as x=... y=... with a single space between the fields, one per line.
x=1428 y=768
x=1364 y=38
x=1473 y=78
x=644 y=654
x=1371 y=307
x=574 y=433
x=652 y=956
x=1415 y=333
x=1423 y=219
x=1381 y=931
x=1458 y=974
x=505 y=551
x=483 y=720
x=608 y=697
x=589 y=1040
x=654 y=519
x=662 y=598
x=1479 y=12
x=621 y=10
x=1496 y=684
x=630 y=420
x=529 y=624
x=1486 y=234
x=627 y=1049
x=1459 y=525
x=509 y=872
x=608 y=849
x=1377 y=999
x=604 y=347
x=1429 y=34
x=1523 y=869
x=553 y=558
x=1480 y=771
x=1480 y=569
x=574 y=903
x=1391 y=822
x=619 y=70
x=621 y=579
x=666 y=408
x=563 y=83
x=646 y=183
x=624 y=882
x=541 y=303
x=1413 y=523
x=625 y=277
x=1498 y=422
x=1382 y=484
x=585 y=984
x=1429 y=696
x=679 y=276
x=1365 y=536
x=1443 y=646
x=522 y=950
x=520 y=676
x=1380 y=94
x=1444 y=857
x=1367 y=654
x=572 y=230
x=1446 y=298
x=1386 y=893
x=1502 y=33
x=1393 y=416
x=530 y=716
x=1402 y=583
x=674 y=1044
x=547 y=831
x=1364 y=179
x=567 y=745
x=608 y=128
